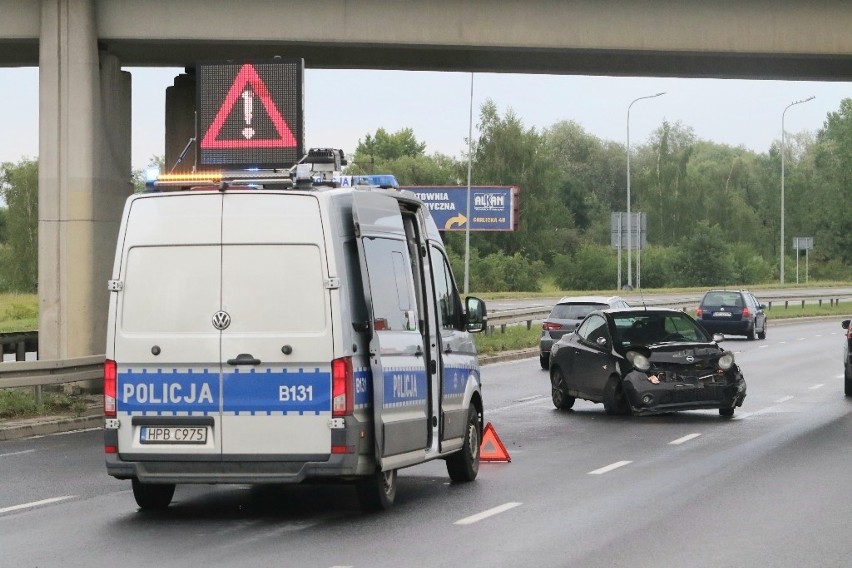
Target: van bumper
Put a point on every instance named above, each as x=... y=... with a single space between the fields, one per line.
x=242 y=471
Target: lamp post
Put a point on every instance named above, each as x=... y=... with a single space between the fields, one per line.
x=783 y=135
x=629 y=239
x=467 y=199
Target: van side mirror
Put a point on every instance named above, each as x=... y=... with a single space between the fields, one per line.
x=476 y=319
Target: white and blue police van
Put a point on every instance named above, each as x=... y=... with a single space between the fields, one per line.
x=269 y=328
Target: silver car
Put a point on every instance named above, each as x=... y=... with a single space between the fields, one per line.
x=566 y=315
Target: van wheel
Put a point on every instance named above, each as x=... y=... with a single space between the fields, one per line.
x=544 y=360
x=726 y=412
x=153 y=496
x=464 y=465
x=376 y=492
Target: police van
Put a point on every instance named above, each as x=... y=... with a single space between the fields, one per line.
x=274 y=328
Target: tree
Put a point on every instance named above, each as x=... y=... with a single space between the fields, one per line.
x=19 y=255
x=375 y=150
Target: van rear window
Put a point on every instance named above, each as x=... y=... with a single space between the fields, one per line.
x=170 y=289
x=274 y=288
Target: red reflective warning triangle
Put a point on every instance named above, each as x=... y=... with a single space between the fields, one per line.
x=248 y=76
x=492 y=449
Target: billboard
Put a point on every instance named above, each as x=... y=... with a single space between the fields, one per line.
x=492 y=208
x=251 y=114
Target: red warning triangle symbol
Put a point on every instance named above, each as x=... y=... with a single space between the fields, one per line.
x=491 y=448
x=248 y=76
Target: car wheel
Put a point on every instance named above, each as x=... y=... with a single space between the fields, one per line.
x=847 y=375
x=614 y=400
x=762 y=333
x=752 y=332
x=544 y=360
x=558 y=391
x=726 y=412
x=153 y=496
x=377 y=491
x=464 y=465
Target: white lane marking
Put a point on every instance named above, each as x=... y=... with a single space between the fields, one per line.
x=686 y=438
x=784 y=399
x=519 y=404
x=485 y=514
x=781 y=342
x=764 y=346
x=528 y=398
x=16 y=453
x=802 y=338
x=815 y=387
x=35 y=504
x=609 y=467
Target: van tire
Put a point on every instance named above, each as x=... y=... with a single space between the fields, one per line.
x=153 y=496
x=376 y=492
x=463 y=466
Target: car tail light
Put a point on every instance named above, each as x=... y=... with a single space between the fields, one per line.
x=109 y=388
x=849 y=332
x=550 y=326
x=699 y=312
x=746 y=313
x=342 y=387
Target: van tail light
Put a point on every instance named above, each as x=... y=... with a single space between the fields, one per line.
x=699 y=312
x=342 y=387
x=550 y=326
x=746 y=313
x=109 y=388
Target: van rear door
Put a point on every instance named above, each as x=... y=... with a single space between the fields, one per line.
x=397 y=358
x=166 y=348
x=278 y=346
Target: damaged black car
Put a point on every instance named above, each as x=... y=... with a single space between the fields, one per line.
x=645 y=361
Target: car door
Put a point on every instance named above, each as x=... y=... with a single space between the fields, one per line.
x=456 y=350
x=593 y=363
x=397 y=354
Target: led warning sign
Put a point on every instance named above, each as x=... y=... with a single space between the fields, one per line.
x=250 y=114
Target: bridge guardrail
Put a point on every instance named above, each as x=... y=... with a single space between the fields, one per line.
x=39 y=373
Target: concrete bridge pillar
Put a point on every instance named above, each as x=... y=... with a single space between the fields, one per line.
x=84 y=177
x=180 y=123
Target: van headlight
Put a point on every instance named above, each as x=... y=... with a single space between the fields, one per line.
x=726 y=361
x=638 y=360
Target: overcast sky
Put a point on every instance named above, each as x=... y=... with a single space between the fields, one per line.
x=341 y=107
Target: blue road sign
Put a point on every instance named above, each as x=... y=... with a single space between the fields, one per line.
x=492 y=208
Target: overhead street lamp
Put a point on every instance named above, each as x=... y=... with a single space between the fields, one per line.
x=629 y=239
x=783 y=135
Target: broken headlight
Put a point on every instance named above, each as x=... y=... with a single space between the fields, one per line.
x=638 y=360
x=726 y=361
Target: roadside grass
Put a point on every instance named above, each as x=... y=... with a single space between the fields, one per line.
x=18 y=312
x=21 y=403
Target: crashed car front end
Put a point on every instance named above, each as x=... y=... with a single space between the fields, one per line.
x=668 y=378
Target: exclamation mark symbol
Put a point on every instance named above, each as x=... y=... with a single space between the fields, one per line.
x=248 y=103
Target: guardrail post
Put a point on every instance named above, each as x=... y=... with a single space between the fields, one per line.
x=820 y=302
x=786 y=304
x=803 y=304
x=770 y=304
x=529 y=325
x=503 y=328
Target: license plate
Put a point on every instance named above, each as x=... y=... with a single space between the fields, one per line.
x=173 y=435
x=722 y=314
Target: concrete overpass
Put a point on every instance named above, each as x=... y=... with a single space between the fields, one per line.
x=81 y=47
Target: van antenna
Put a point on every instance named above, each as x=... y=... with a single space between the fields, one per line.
x=182 y=154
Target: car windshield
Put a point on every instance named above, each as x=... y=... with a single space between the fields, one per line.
x=646 y=328
x=574 y=311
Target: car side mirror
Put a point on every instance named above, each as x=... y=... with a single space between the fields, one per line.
x=601 y=341
x=845 y=324
x=477 y=318
x=718 y=337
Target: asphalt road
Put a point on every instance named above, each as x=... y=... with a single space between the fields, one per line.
x=691 y=489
